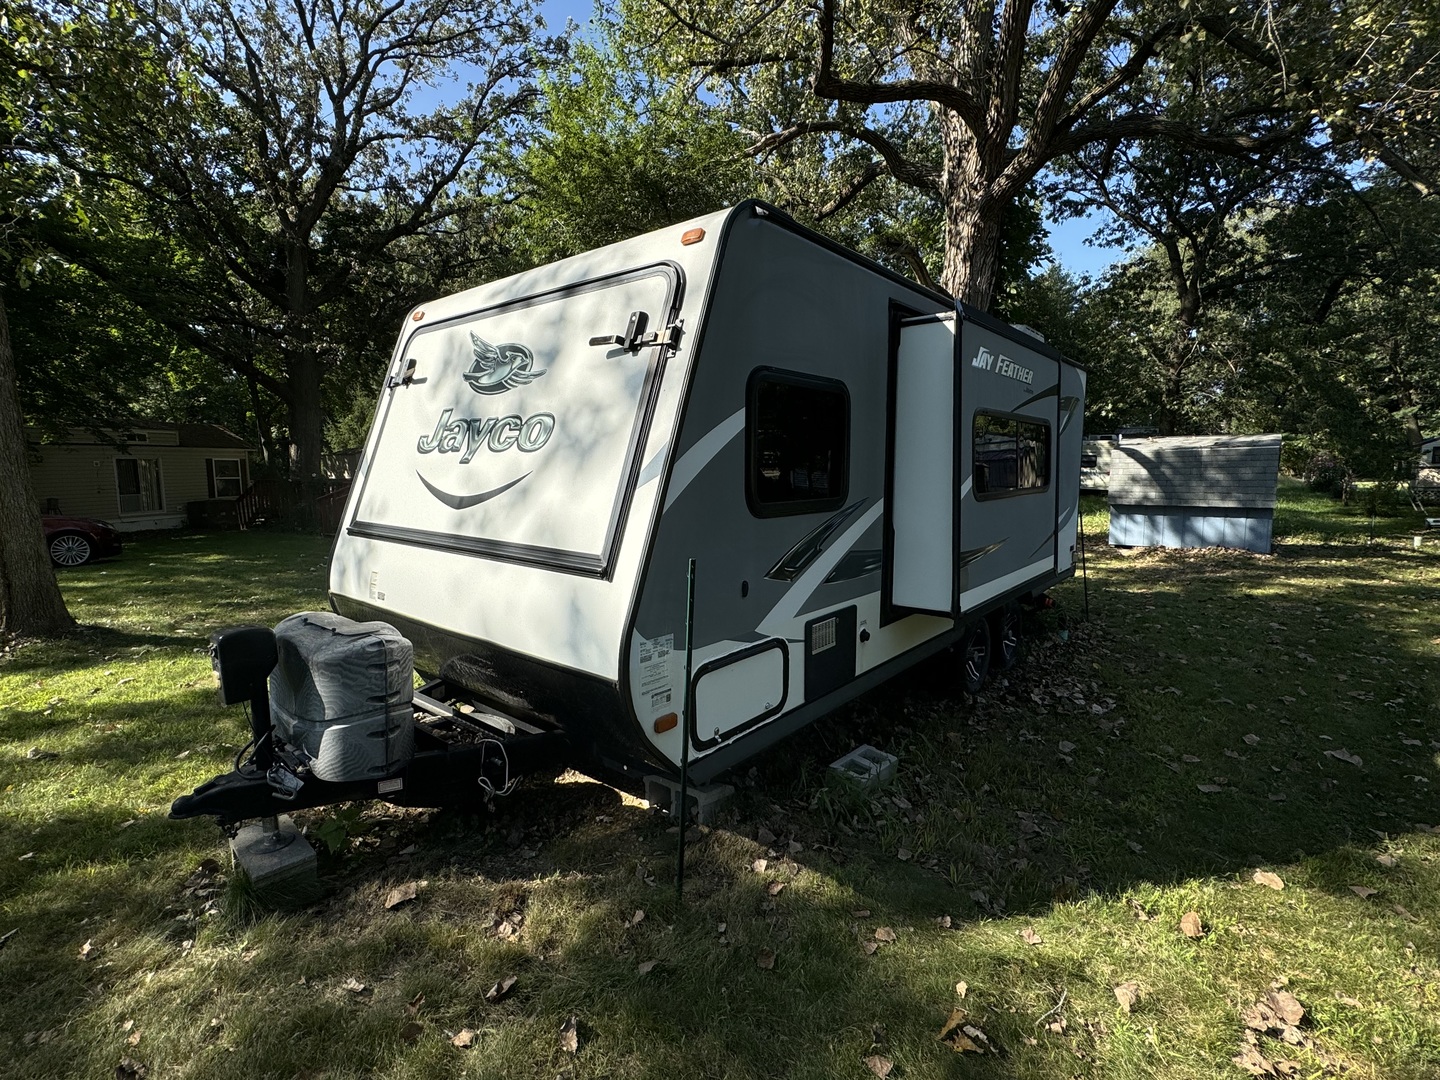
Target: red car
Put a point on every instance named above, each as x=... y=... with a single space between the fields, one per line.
x=74 y=541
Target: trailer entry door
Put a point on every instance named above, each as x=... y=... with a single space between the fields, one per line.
x=922 y=463
x=515 y=438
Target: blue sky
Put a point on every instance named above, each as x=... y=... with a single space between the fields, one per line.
x=1067 y=238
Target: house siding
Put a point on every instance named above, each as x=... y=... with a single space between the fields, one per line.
x=1195 y=492
x=81 y=480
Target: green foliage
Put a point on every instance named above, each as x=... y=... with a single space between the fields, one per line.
x=620 y=153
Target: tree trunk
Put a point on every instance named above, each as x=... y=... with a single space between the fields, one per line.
x=307 y=417
x=973 y=216
x=30 y=600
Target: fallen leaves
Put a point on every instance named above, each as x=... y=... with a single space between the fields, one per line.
x=636 y=919
x=1127 y=995
x=464 y=1038
x=412 y=1031
x=500 y=990
x=570 y=1035
x=354 y=985
x=765 y=959
x=1191 y=926
x=1363 y=891
x=1268 y=879
x=961 y=989
x=1209 y=789
x=1344 y=755
x=961 y=1037
x=1030 y=937
x=879 y=1065
x=885 y=934
x=401 y=894
x=88 y=951
x=1251 y=740
x=646 y=967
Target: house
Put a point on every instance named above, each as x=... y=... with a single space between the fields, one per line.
x=140 y=478
x=1194 y=491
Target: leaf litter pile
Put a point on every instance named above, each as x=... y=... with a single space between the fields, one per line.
x=1152 y=841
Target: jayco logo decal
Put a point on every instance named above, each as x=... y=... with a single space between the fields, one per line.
x=1002 y=365
x=498 y=368
x=466 y=436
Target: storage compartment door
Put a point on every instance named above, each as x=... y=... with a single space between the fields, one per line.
x=922 y=487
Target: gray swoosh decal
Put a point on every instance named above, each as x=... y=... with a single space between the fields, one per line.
x=464 y=502
x=856 y=564
x=970 y=556
x=807 y=549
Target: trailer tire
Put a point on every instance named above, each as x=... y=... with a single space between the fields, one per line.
x=1007 y=637
x=975 y=656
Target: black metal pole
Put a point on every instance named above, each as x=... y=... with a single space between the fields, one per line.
x=689 y=700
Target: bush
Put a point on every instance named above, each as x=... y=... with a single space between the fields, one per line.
x=1383 y=499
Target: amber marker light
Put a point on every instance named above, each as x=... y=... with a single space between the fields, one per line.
x=417 y=316
x=666 y=722
x=692 y=236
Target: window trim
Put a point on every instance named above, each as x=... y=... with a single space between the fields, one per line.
x=1011 y=493
x=802 y=379
x=216 y=478
x=159 y=485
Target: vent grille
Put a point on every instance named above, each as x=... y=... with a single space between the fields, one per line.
x=822 y=636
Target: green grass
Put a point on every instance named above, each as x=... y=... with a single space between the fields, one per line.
x=1064 y=800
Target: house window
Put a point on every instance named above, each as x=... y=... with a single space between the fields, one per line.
x=797 y=452
x=1012 y=455
x=138 y=483
x=226 y=481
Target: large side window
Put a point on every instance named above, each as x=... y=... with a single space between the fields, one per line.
x=1012 y=455
x=797 y=455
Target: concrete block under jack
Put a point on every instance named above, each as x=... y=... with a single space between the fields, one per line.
x=278 y=861
x=706 y=799
x=866 y=766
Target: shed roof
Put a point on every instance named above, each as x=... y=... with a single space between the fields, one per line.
x=1199 y=470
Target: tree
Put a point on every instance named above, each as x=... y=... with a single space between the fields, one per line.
x=30 y=600
x=968 y=103
x=291 y=151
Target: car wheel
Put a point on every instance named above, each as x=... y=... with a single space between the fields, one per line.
x=70 y=549
x=975 y=657
x=1006 y=635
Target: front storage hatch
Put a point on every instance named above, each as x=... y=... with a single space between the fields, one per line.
x=512 y=436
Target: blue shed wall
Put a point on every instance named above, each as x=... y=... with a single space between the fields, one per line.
x=1250 y=528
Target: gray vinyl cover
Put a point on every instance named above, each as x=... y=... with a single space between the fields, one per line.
x=341 y=695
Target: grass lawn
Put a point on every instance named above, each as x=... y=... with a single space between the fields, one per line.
x=1219 y=714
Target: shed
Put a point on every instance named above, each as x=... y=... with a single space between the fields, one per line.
x=1194 y=491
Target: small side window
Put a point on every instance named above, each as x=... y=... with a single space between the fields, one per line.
x=1012 y=455
x=798 y=445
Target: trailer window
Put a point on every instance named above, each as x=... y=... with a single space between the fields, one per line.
x=797 y=453
x=1012 y=455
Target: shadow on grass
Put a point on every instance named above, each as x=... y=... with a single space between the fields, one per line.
x=1083 y=772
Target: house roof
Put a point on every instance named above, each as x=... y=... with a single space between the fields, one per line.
x=212 y=435
x=197 y=436
x=1196 y=471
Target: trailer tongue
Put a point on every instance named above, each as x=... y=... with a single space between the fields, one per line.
x=347 y=725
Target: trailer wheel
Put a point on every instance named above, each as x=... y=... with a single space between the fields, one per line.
x=1006 y=635
x=975 y=655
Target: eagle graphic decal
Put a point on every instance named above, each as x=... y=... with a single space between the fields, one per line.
x=498 y=368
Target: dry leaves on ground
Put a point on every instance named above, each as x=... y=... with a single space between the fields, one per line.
x=88 y=951
x=1030 y=937
x=1363 y=891
x=1344 y=755
x=1191 y=926
x=500 y=990
x=961 y=1037
x=961 y=989
x=1269 y=880
x=570 y=1035
x=647 y=966
x=401 y=894
x=464 y=1039
x=411 y=1031
x=354 y=985
x=637 y=918
x=879 y=1065
x=765 y=960
x=1127 y=995
x=885 y=934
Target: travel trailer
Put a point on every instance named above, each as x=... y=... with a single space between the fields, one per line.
x=864 y=472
